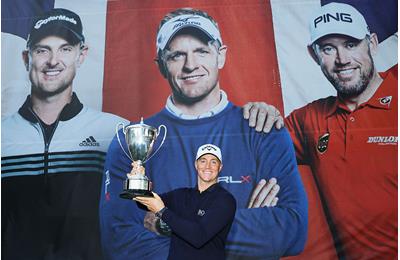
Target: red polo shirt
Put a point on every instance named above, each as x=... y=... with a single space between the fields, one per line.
x=353 y=156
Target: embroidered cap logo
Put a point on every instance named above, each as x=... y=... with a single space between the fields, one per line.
x=209 y=148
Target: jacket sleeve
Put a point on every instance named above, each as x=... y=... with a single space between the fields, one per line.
x=272 y=232
x=200 y=231
x=123 y=234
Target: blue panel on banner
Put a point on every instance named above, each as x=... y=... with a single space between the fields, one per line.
x=381 y=15
x=17 y=15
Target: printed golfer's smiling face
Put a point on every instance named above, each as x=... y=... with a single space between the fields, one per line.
x=347 y=62
x=193 y=67
x=208 y=167
x=52 y=65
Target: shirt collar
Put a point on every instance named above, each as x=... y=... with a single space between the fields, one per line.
x=68 y=112
x=209 y=189
x=383 y=97
x=170 y=106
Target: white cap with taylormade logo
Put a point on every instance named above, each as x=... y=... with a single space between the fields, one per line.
x=209 y=149
x=338 y=18
x=171 y=27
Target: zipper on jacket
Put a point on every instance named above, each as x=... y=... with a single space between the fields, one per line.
x=46 y=143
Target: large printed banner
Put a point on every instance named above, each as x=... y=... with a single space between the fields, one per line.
x=267 y=60
x=267 y=55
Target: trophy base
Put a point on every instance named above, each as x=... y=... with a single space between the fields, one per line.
x=130 y=194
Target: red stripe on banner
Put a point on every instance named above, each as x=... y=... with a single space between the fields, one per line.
x=133 y=87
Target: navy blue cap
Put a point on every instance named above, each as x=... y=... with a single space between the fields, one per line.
x=60 y=22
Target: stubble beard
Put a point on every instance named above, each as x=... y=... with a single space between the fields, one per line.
x=350 y=91
x=41 y=92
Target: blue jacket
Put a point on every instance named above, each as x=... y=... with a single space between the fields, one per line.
x=265 y=233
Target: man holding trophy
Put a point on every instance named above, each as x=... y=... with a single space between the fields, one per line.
x=200 y=217
x=190 y=53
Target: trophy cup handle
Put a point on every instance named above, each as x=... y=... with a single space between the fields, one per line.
x=162 y=142
x=119 y=140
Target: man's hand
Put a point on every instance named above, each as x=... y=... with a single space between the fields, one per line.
x=264 y=195
x=156 y=225
x=150 y=221
x=154 y=204
x=262 y=116
x=136 y=169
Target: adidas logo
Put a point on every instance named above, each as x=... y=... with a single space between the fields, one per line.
x=90 y=141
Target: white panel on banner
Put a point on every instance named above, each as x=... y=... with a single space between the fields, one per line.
x=387 y=57
x=301 y=78
x=88 y=83
x=15 y=85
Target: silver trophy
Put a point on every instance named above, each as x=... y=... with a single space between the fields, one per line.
x=140 y=139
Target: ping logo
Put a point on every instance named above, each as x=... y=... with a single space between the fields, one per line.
x=326 y=18
x=90 y=141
